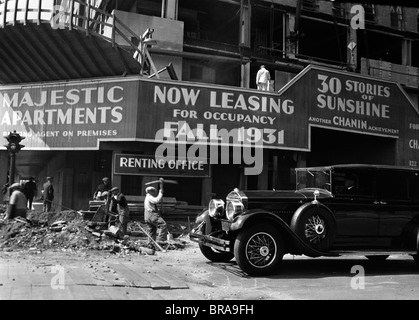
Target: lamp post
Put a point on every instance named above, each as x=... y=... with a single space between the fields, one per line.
x=13 y=147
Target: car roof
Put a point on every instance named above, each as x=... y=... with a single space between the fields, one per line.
x=360 y=166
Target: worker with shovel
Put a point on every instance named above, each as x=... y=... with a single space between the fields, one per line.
x=152 y=214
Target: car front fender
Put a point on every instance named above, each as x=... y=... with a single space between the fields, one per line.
x=255 y=215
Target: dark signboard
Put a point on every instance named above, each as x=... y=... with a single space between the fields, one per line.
x=133 y=164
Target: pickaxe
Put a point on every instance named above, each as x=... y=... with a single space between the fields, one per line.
x=162 y=180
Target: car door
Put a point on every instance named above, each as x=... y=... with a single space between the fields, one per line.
x=355 y=210
x=395 y=202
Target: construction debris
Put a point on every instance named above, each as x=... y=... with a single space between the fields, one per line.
x=68 y=231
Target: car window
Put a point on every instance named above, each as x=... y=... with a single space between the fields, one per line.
x=351 y=182
x=313 y=179
x=394 y=185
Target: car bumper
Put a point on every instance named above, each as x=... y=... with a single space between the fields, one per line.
x=213 y=242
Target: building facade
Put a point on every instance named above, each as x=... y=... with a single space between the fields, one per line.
x=99 y=88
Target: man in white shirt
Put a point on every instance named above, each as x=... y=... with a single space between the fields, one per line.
x=263 y=78
x=17 y=203
x=152 y=214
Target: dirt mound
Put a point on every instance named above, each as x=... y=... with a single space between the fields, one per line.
x=67 y=230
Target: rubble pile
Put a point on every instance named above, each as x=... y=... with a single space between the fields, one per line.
x=68 y=231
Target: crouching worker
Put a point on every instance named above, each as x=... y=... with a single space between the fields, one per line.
x=119 y=202
x=17 y=203
x=152 y=215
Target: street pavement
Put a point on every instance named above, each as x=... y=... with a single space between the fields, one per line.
x=185 y=275
x=78 y=279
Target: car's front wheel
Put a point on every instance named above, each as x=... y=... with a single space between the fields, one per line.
x=259 y=249
x=215 y=255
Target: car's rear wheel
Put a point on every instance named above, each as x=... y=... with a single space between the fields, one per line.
x=315 y=226
x=215 y=255
x=259 y=249
x=416 y=258
x=378 y=258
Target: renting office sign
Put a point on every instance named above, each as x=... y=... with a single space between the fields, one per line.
x=146 y=165
x=70 y=115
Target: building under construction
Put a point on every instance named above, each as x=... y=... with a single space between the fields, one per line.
x=97 y=87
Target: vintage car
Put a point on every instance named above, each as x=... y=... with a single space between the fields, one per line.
x=358 y=209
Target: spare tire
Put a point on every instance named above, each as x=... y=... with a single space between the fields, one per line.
x=315 y=225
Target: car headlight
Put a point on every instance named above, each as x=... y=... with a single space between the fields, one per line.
x=233 y=209
x=215 y=207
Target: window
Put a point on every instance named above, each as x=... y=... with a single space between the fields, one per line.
x=351 y=182
x=396 y=17
x=338 y=10
x=369 y=12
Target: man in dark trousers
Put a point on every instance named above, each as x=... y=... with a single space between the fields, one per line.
x=152 y=214
x=119 y=200
x=30 y=191
x=48 y=194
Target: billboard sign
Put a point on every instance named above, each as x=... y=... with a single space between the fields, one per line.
x=70 y=115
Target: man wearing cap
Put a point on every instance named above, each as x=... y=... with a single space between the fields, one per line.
x=105 y=185
x=48 y=194
x=17 y=202
x=120 y=202
x=152 y=215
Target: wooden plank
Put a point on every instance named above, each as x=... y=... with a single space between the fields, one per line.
x=92 y=288
x=81 y=292
x=180 y=294
x=113 y=279
x=80 y=276
x=155 y=281
x=142 y=294
x=174 y=282
x=133 y=277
